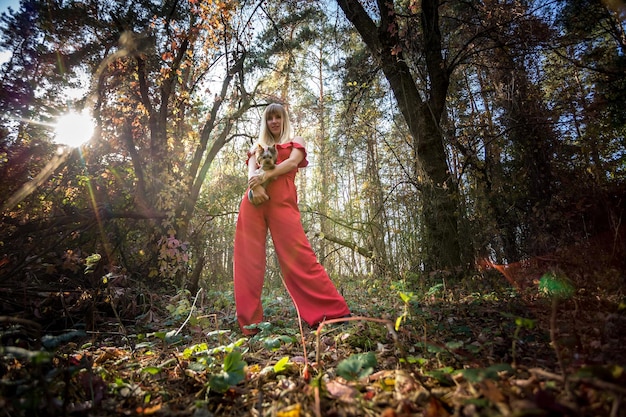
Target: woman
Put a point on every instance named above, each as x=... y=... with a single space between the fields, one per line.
x=276 y=207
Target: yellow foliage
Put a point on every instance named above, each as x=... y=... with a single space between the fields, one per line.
x=291 y=411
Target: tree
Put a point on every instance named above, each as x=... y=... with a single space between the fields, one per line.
x=150 y=77
x=422 y=115
x=505 y=130
x=586 y=84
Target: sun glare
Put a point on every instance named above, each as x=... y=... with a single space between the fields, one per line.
x=73 y=129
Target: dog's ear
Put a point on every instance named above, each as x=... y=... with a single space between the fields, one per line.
x=259 y=146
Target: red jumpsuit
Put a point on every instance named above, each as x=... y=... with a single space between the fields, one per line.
x=307 y=282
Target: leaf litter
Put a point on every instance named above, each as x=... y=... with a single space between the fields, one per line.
x=503 y=353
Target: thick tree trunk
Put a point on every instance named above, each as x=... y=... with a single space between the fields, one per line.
x=439 y=191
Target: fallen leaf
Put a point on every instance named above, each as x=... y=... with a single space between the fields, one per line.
x=490 y=390
x=388 y=412
x=147 y=411
x=405 y=383
x=435 y=409
x=291 y=411
x=341 y=391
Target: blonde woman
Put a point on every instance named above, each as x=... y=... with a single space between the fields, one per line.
x=275 y=207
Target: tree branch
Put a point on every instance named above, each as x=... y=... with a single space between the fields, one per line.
x=366 y=252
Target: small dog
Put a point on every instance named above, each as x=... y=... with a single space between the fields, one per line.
x=266 y=160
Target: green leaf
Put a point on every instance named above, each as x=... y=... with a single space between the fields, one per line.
x=443 y=376
x=195 y=350
x=232 y=374
x=152 y=370
x=273 y=343
x=234 y=368
x=412 y=360
x=91 y=262
x=555 y=286
x=218 y=383
x=525 y=323
x=480 y=374
x=265 y=326
x=233 y=362
x=197 y=366
x=406 y=297
x=217 y=333
x=434 y=348
x=456 y=344
x=160 y=334
x=357 y=366
x=282 y=365
x=435 y=289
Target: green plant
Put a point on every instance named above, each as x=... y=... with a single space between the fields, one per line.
x=520 y=323
x=435 y=290
x=282 y=365
x=443 y=376
x=269 y=335
x=406 y=297
x=223 y=373
x=179 y=306
x=357 y=366
x=556 y=288
x=91 y=262
x=232 y=373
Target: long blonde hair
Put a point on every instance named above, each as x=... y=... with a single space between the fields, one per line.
x=265 y=136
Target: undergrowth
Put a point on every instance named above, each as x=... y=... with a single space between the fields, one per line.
x=433 y=346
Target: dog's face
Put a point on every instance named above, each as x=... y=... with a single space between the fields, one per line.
x=266 y=156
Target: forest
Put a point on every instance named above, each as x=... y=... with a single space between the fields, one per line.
x=466 y=193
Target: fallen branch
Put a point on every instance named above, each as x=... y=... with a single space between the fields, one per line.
x=190 y=313
x=595 y=382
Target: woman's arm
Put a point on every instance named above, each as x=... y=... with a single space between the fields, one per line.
x=252 y=165
x=295 y=157
x=258 y=193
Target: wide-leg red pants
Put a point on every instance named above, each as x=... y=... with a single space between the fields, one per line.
x=306 y=279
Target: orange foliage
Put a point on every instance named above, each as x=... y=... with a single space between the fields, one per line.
x=601 y=254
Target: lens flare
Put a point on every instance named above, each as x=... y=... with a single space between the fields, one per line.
x=73 y=129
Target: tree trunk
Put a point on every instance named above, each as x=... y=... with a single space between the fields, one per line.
x=376 y=217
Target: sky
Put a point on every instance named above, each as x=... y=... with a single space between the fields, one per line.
x=4 y=5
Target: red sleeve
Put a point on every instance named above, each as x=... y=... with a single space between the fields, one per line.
x=292 y=145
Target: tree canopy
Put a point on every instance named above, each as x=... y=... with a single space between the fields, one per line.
x=439 y=133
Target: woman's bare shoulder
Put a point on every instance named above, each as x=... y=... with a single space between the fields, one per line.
x=299 y=140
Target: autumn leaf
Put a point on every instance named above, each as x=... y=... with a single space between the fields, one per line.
x=341 y=391
x=435 y=409
x=291 y=411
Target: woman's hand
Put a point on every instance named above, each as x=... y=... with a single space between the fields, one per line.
x=259 y=195
x=256 y=180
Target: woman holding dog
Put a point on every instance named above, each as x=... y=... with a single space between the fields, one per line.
x=275 y=207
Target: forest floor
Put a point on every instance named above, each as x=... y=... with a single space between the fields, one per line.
x=479 y=348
